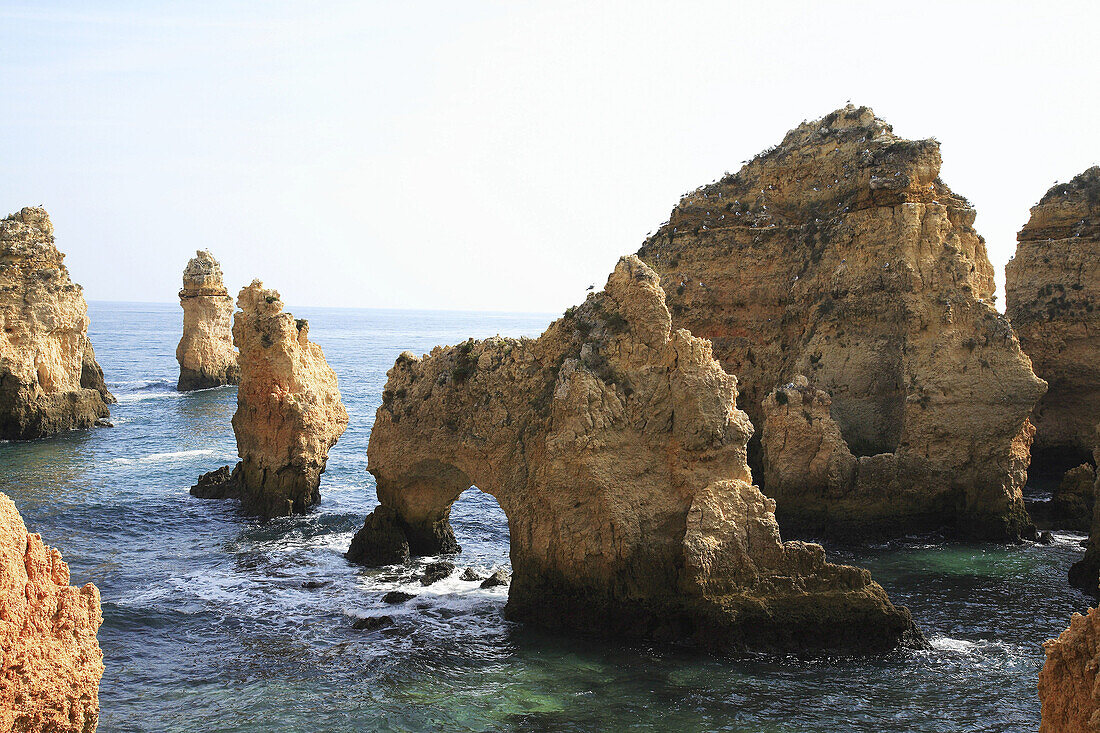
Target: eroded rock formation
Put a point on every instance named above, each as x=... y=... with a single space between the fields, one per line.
x=289 y=413
x=1068 y=686
x=841 y=255
x=49 y=379
x=614 y=446
x=205 y=352
x=1052 y=289
x=1085 y=573
x=50 y=662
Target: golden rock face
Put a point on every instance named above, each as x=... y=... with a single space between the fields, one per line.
x=1053 y=299
x=50 y=661
x=205 y=353
x=49 y=379
x=1068 y=685
x=615 y=448
x=841 y=256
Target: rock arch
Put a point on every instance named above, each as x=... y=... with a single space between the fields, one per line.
x=615 y=449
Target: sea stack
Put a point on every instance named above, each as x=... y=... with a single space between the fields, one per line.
x=615 y=448
x=205 y=352
x=1052 y=289
x=289 y=413
x=1085 y=573
x=49 y=379
x=841 y=256
x=1069 y=688
x=50 y=661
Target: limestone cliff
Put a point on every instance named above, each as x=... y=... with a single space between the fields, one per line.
x=615 y=448
x=1068 y=686
x=1052 y=289
x=289 y=413
x=49 y=379
x=841 y=255
x=205 y=352
x=50 y=662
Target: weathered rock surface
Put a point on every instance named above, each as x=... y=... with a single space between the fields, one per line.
x=289 y=413
x=1085 y=573
x=1068 y=686
x=1052 y=289
x=205 y=352
x=49 y=379
x=614 y=446
x=50 y=661
x=841 y=255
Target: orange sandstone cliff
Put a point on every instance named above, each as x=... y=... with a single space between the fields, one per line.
x=1068 y=686
x=50 y=661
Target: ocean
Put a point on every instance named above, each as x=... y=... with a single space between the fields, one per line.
x=208 y=626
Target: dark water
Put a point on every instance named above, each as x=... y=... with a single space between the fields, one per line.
x=207 y=626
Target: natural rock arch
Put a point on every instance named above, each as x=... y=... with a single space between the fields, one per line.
x=615 y=449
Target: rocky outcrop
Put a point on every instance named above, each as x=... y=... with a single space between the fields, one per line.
x=1052 y=289
x=205 y=352
x=289 y=413
x=614 y=446
x=1085 y=573
x=1068 y=686
x=840 y=255
x=50 y=662
x=49 y=379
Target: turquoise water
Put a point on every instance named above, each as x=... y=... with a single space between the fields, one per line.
x=207 y=625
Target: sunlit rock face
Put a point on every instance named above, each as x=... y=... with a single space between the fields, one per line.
x=1053 y=300
x=1068 y=685
x=615 y=448
x=50 y=661
x=49 y=379
x=205 y=352
x=841 y=255
x=289 y=412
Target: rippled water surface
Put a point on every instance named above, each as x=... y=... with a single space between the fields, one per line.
x=207 y=625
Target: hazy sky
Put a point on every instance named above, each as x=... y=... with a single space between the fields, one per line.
x=491 y=156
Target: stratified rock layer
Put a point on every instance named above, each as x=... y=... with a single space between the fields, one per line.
x=49 y=379
x=205 y=352
x=289 y=413
x=1068 y=686
x=614 y=446
x=50 y=662
x=841 y=255
x=1052 y=289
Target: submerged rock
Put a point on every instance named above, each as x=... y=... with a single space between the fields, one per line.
x=436 y=572
x=205 y=352
x=841 y=255
x=614 y=446
x=370 y=623
x=1052 y=289
x=1068 y=685
x=50 y=661
x=289 y=412
x=397 y=596
x=499 y=577
x=49 y=379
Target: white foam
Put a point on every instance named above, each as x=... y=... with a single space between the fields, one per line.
x=166 y=457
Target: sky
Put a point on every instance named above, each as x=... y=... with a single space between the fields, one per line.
x=491 y=155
